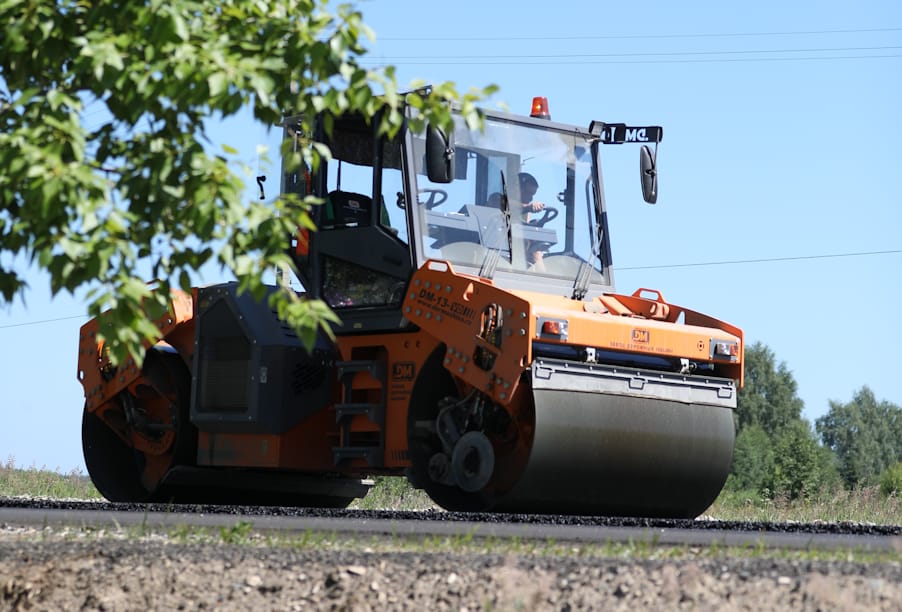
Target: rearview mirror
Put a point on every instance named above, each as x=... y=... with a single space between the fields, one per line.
x=439 y=155
x=648 y=174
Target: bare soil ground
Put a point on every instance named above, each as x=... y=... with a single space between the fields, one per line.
x=42 y=570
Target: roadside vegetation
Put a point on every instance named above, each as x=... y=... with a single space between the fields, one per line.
x=847 y=467
x=42 y=482
x=243 y=533
x=859 y=505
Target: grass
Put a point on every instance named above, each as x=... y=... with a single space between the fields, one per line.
x=42 y=482
x=863 y=505
x=395 y=493
x=860 y=505
x=244 y=534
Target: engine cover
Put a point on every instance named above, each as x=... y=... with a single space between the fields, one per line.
x=251 y=372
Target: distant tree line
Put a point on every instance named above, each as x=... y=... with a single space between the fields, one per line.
x=778 y=453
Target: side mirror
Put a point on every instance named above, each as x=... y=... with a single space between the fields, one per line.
x=439 y=155
x=648 y=174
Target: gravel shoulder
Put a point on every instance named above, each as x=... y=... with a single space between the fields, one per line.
x=53 y=570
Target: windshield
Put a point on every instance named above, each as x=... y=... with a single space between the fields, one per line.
x=522 y=200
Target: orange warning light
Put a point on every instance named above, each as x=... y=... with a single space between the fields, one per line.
x=553 y=327
x=540 y=108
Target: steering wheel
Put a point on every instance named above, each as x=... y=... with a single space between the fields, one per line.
x=550 y=213
x=436 y=197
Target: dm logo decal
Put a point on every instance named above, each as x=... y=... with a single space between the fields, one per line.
x=641 y=336
x=402 y=370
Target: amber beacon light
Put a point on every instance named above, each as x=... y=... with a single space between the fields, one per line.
x=540 y=108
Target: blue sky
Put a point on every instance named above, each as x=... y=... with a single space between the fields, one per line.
x=779 y=123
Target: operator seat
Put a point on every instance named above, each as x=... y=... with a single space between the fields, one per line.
x=347 y=208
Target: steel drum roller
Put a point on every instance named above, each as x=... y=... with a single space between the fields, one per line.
x=624 y=442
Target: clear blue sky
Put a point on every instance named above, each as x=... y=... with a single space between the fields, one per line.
x=780 y=146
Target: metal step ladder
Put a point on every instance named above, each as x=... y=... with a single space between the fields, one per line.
x=346 y=410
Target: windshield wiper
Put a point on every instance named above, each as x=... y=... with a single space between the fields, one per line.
x=493 y=250
x=584 y=274
x=506 y=215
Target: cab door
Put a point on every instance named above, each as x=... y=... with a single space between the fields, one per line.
x=359 y=260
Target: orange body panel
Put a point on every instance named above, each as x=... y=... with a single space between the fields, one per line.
x=627 y=323
x=476 y=319
x=308 y=446
x=404 y=355
x=105 y=383
x=101 y=381
x=452 y=307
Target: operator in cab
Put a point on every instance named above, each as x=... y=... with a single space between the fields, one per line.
x=528 y=188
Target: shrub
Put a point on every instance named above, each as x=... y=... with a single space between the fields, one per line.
x=799 y=465
x=891 y=480
x=753 y=460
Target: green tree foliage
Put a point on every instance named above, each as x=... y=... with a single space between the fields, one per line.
x=891 y=480
x=801 y=467
x=753 y=460
x=776 y=452
x=768 y=398
x=92 y=200
x=865 y=434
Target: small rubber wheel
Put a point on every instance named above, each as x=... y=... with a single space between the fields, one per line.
x=472 y=461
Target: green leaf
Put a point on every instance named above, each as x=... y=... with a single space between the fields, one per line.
x=218 y=82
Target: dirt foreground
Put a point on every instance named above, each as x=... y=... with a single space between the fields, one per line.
x=49 y=571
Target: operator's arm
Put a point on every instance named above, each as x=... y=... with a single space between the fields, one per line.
x=525 y=209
